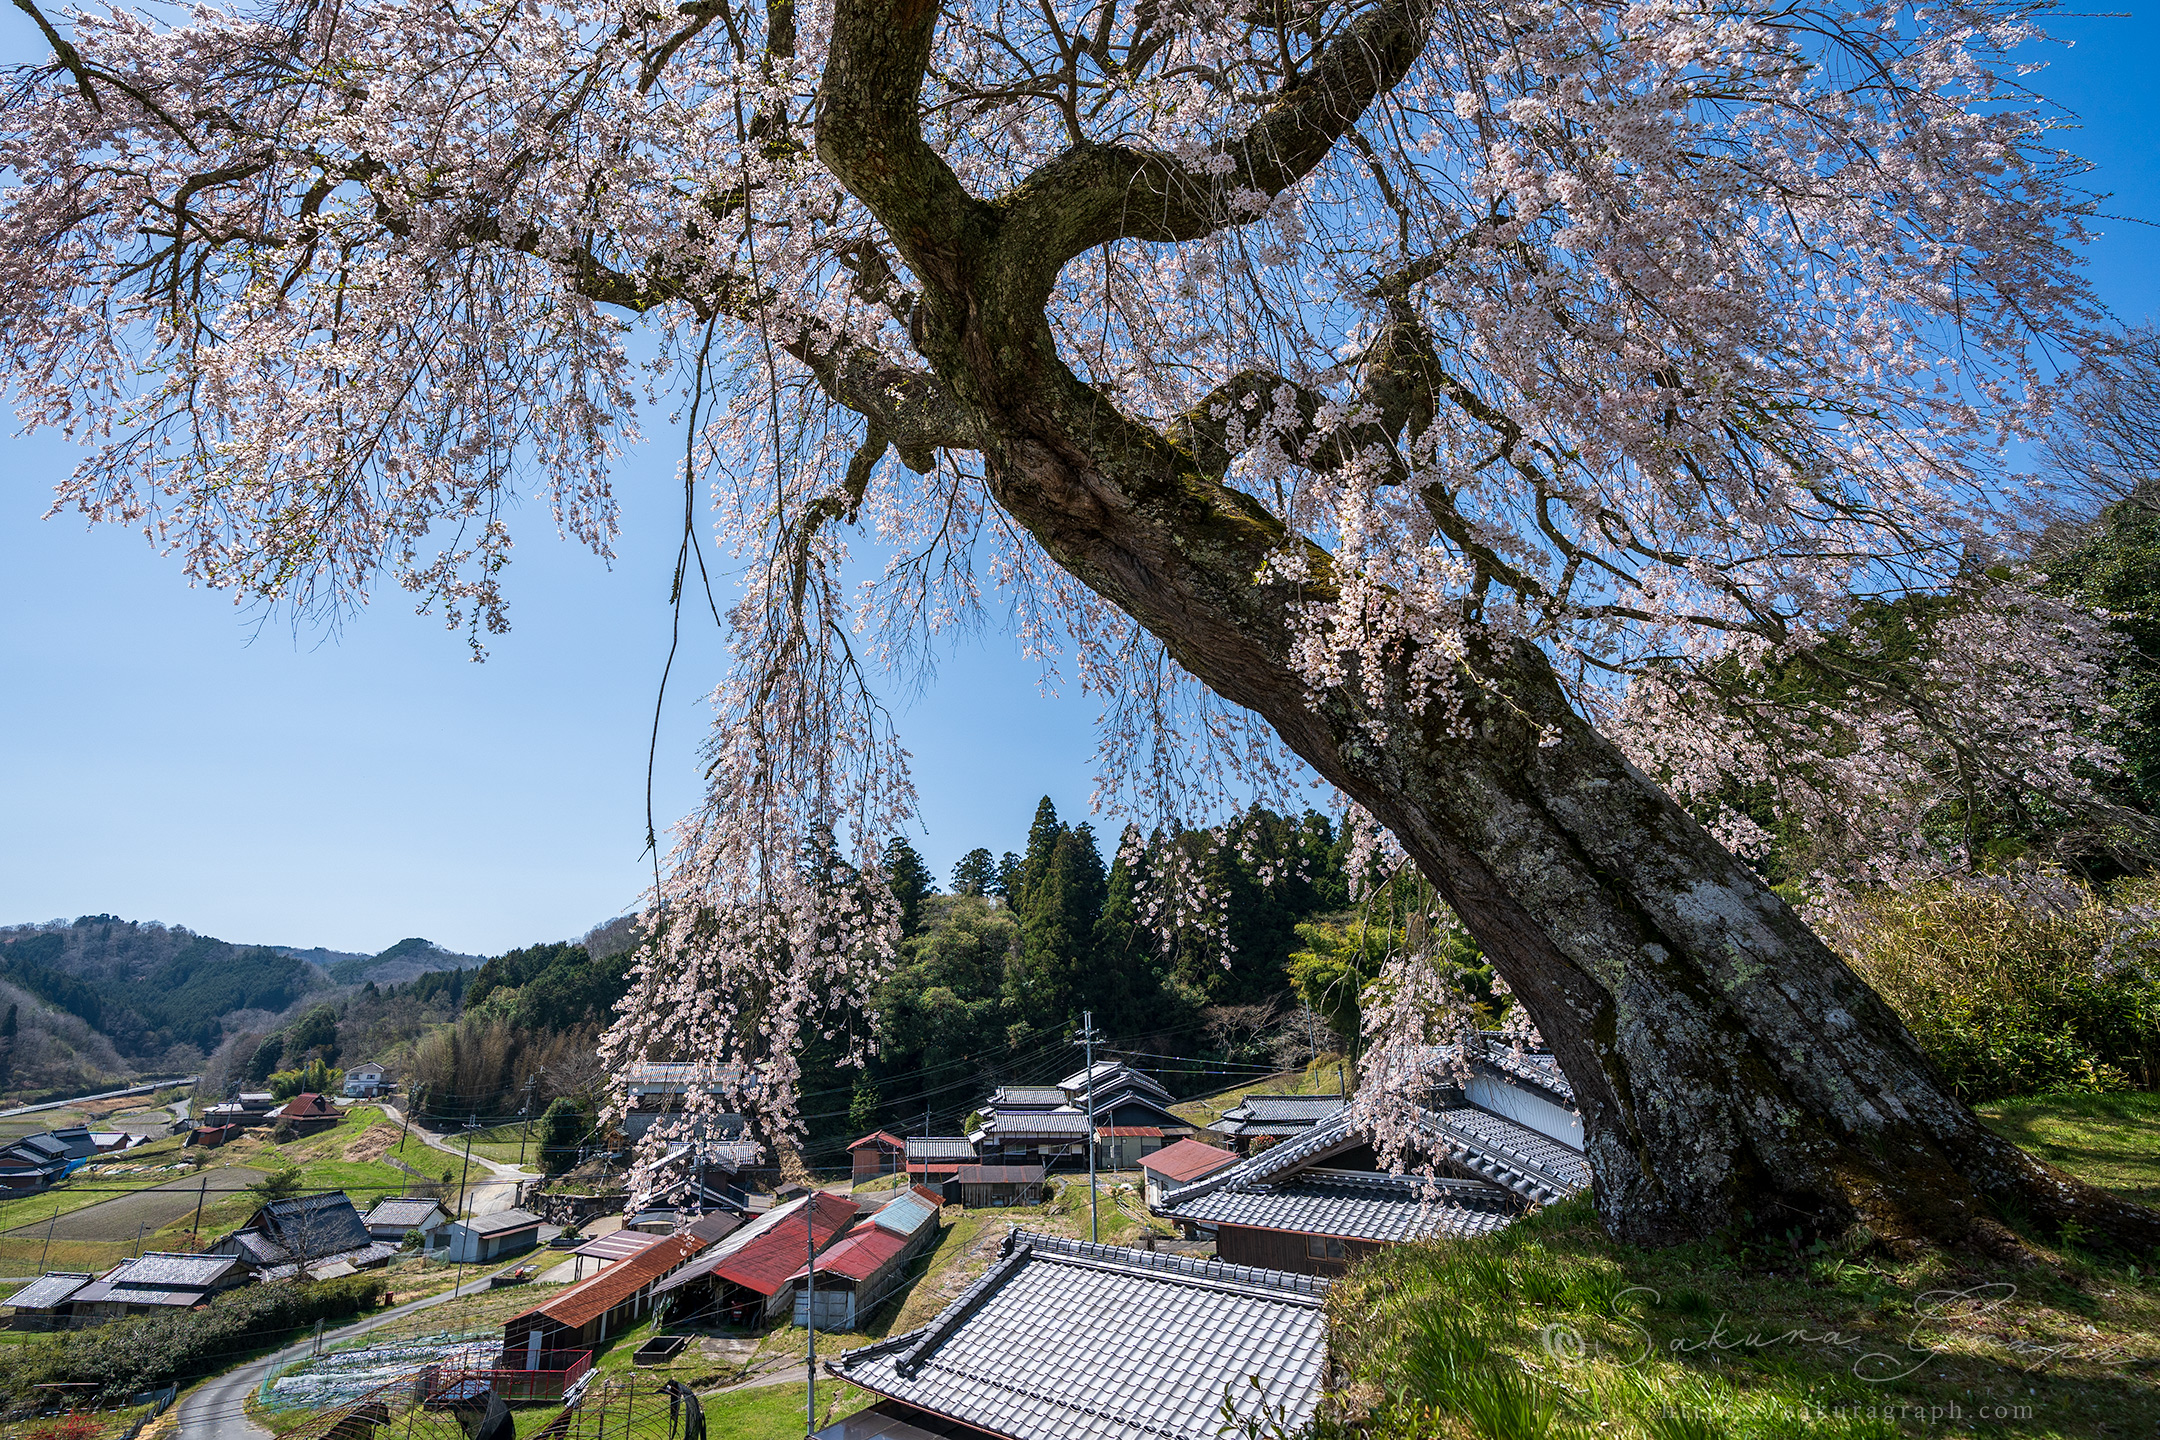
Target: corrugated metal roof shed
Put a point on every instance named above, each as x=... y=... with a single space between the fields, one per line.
x=1064 y=1340
x=1187 y=1160
x=762 y=1256
x=909 y=1211
x=589 y=1299
x=620 y=1245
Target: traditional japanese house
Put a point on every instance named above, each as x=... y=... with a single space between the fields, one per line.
x=157 y=1283
x=46 y=1302
x=1062 y=1339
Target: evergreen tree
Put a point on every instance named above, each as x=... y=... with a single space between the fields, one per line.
x=7 y=1026
x=976 y=874
x=1008 y=876
x=1042 y=839
x=1058 y=915
x=863 y=1106
x=562 y=1130
x=910 y=879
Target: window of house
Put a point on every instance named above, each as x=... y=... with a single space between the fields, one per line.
x=1325 y=1247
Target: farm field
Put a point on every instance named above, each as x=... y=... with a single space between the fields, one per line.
x=147 y=1211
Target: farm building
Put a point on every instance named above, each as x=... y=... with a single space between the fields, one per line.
x=1123 y=1147
x=1063 y=1338
x=394 y=1218
x=44 y=1304
x=983 y=1186
x=156 y=1284
x=743 y=1280
x=868 y=1263
x=477 y=1239
x=310 y=1232
x=1181 y=1164
x=587 y=1313
x=210 y=1137
x=877 y=1154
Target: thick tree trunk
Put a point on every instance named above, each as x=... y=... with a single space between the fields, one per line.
x=1732 y=1070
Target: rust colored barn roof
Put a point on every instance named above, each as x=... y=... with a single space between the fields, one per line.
x=588 y=1300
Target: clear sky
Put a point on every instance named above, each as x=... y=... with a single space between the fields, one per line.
x=162 y=757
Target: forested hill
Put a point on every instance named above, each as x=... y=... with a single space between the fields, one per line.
x=100 y=997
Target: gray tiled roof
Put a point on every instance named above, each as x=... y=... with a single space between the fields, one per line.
x=1048 y=1097
x=319 y=1224
x=1391 y=1208
x=48 y=1290
x=1534 y=1067
x=1496 y=1149
x=1047 y=1125
x=1311 y=1109
x=1113 y=1074
x=1281 y=1130
x=403 y=1211
x=947 y=1148
x=163 y=1268
x=1064 y=1340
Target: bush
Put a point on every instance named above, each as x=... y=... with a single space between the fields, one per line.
x=129 y=1356
x=2018 y=985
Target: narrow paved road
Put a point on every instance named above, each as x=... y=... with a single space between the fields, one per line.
x=215 y=1412
x=488 y=1196
x=151 y=1088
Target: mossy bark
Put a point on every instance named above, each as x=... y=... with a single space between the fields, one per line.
x=1732 y=1070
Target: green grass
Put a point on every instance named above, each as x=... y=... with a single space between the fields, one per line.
x=1317 y=1078
x=1549 y=1329
x=2112 y=1141
x=775 y=1412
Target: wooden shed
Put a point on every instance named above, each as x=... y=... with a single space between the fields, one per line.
x=986 y=1186
x=868 y=1264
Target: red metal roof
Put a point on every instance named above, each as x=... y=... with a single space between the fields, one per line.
x=588 y=1300
x=879 y=1137
x=307 y=1107
x=766 y=1262
x=1187 y=1160
x=859 y=1256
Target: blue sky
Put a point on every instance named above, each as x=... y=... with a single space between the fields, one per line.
x=166 y=758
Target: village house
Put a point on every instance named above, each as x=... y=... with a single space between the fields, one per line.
x=44 y=1303
x=394 y=1218
x=1062 y=1339
x=867 y=1264
x=306 y=1114
x=934 y=1159
x=743 y=1281
x=1273 y=1117
x=477 y=1239
x=662 y=1092
x=157 y=1283
x=1032 y=1137
x=1323 y=1199
x=367 y=1080
x=320 y=1234
x=1181 y=1164
x=34 y=1162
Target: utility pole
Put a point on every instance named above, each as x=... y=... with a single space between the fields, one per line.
x=1087 y=1038
x=809 y=1230
x=472 y=1125
x=525 y=1110
x=48 y=1234
x=195 y=1230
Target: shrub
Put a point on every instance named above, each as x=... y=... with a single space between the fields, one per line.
x=2018 y=985
x=128 y=1356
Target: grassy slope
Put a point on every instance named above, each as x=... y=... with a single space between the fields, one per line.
x=1318 y=1078
x=2112 y=1141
